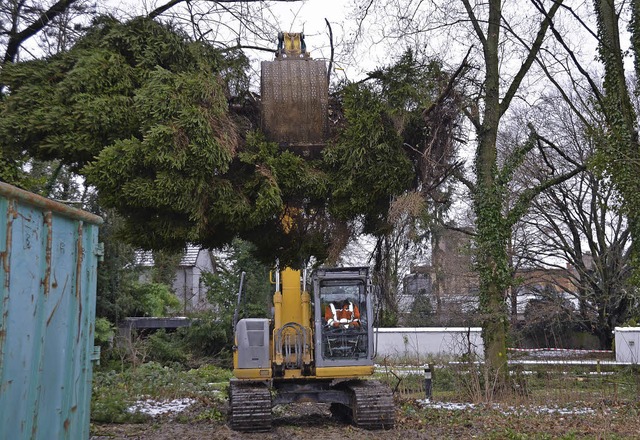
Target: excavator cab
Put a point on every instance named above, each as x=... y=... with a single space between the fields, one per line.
x=345 y=316
x=291 y=45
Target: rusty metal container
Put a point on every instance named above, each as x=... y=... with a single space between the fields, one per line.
x=295 y=103
x=48 y=262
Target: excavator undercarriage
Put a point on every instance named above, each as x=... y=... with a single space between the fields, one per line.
x=368 y=404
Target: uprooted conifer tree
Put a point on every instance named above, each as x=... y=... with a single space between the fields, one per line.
x=143 y=112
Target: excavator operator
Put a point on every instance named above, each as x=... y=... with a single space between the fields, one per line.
x=344 y=315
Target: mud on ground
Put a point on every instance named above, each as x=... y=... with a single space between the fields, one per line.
x=314 y=421
x=301 y=421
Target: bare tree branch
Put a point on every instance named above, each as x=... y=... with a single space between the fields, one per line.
x=531 y=56
x=242 y=46
x=475 y=23
x=161 y=9
x=16 y=39
x=560 y=89
x=164 y=8
x=572 y=55
x=331 y=59
x=466 y=182
x=525 y=198
x=557 y=149
x=450 y=84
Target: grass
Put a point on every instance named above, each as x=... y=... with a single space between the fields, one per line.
x=538 y=383
x=612 y=400
x=114 y=392
x=547 y=402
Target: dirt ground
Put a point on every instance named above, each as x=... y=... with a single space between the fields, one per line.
x=313 y=421
x=302 y=421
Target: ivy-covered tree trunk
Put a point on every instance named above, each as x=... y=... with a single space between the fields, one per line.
x=619 y=152
x=617 y=94
x=491 y=242
x=494 y=222
x=493 y=270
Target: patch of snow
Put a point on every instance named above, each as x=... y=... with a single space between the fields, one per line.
x=456 y=406
x=449 y=406
x=563 y=411
x=156 y=407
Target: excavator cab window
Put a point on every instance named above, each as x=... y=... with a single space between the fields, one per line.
x=344 y=330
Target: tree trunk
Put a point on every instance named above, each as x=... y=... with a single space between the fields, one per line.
x=492 y=261
x=512 y=292
x=492 y=266
x=603 y=332
x=620 y=152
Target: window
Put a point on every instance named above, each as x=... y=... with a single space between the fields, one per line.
x=344 y=319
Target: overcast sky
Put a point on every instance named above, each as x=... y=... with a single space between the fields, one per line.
x=308 y=16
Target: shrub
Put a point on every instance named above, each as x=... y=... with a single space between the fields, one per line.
x=153 y=299
x=207 y=336
x=104 y=332
x=166 y=348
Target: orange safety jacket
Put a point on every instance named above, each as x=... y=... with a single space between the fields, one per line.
x=348 y=315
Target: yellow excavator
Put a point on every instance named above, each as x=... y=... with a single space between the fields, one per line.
x=308 y=351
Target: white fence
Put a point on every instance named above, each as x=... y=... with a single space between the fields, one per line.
x=412 y=342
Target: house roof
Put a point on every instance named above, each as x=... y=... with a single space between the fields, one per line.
x=189 y=257
x=144 y=258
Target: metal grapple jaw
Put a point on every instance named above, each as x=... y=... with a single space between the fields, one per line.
x=295 y=97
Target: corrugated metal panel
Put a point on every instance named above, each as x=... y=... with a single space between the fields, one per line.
x=48 y=278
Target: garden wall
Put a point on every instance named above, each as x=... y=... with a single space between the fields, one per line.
x=415 y=342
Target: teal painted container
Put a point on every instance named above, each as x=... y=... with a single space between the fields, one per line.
x=48 y=270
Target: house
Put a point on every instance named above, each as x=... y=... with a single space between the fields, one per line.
x=452 y=286
x=188 y=284
x=449 y=283
x=532 y=283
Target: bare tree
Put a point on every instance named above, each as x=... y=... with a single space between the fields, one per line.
x=575 y=229
x=579 y=225
x=616 y=149
x=501 y=44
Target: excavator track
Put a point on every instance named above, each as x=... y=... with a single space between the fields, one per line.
x=249 y=407
x=372 y=405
